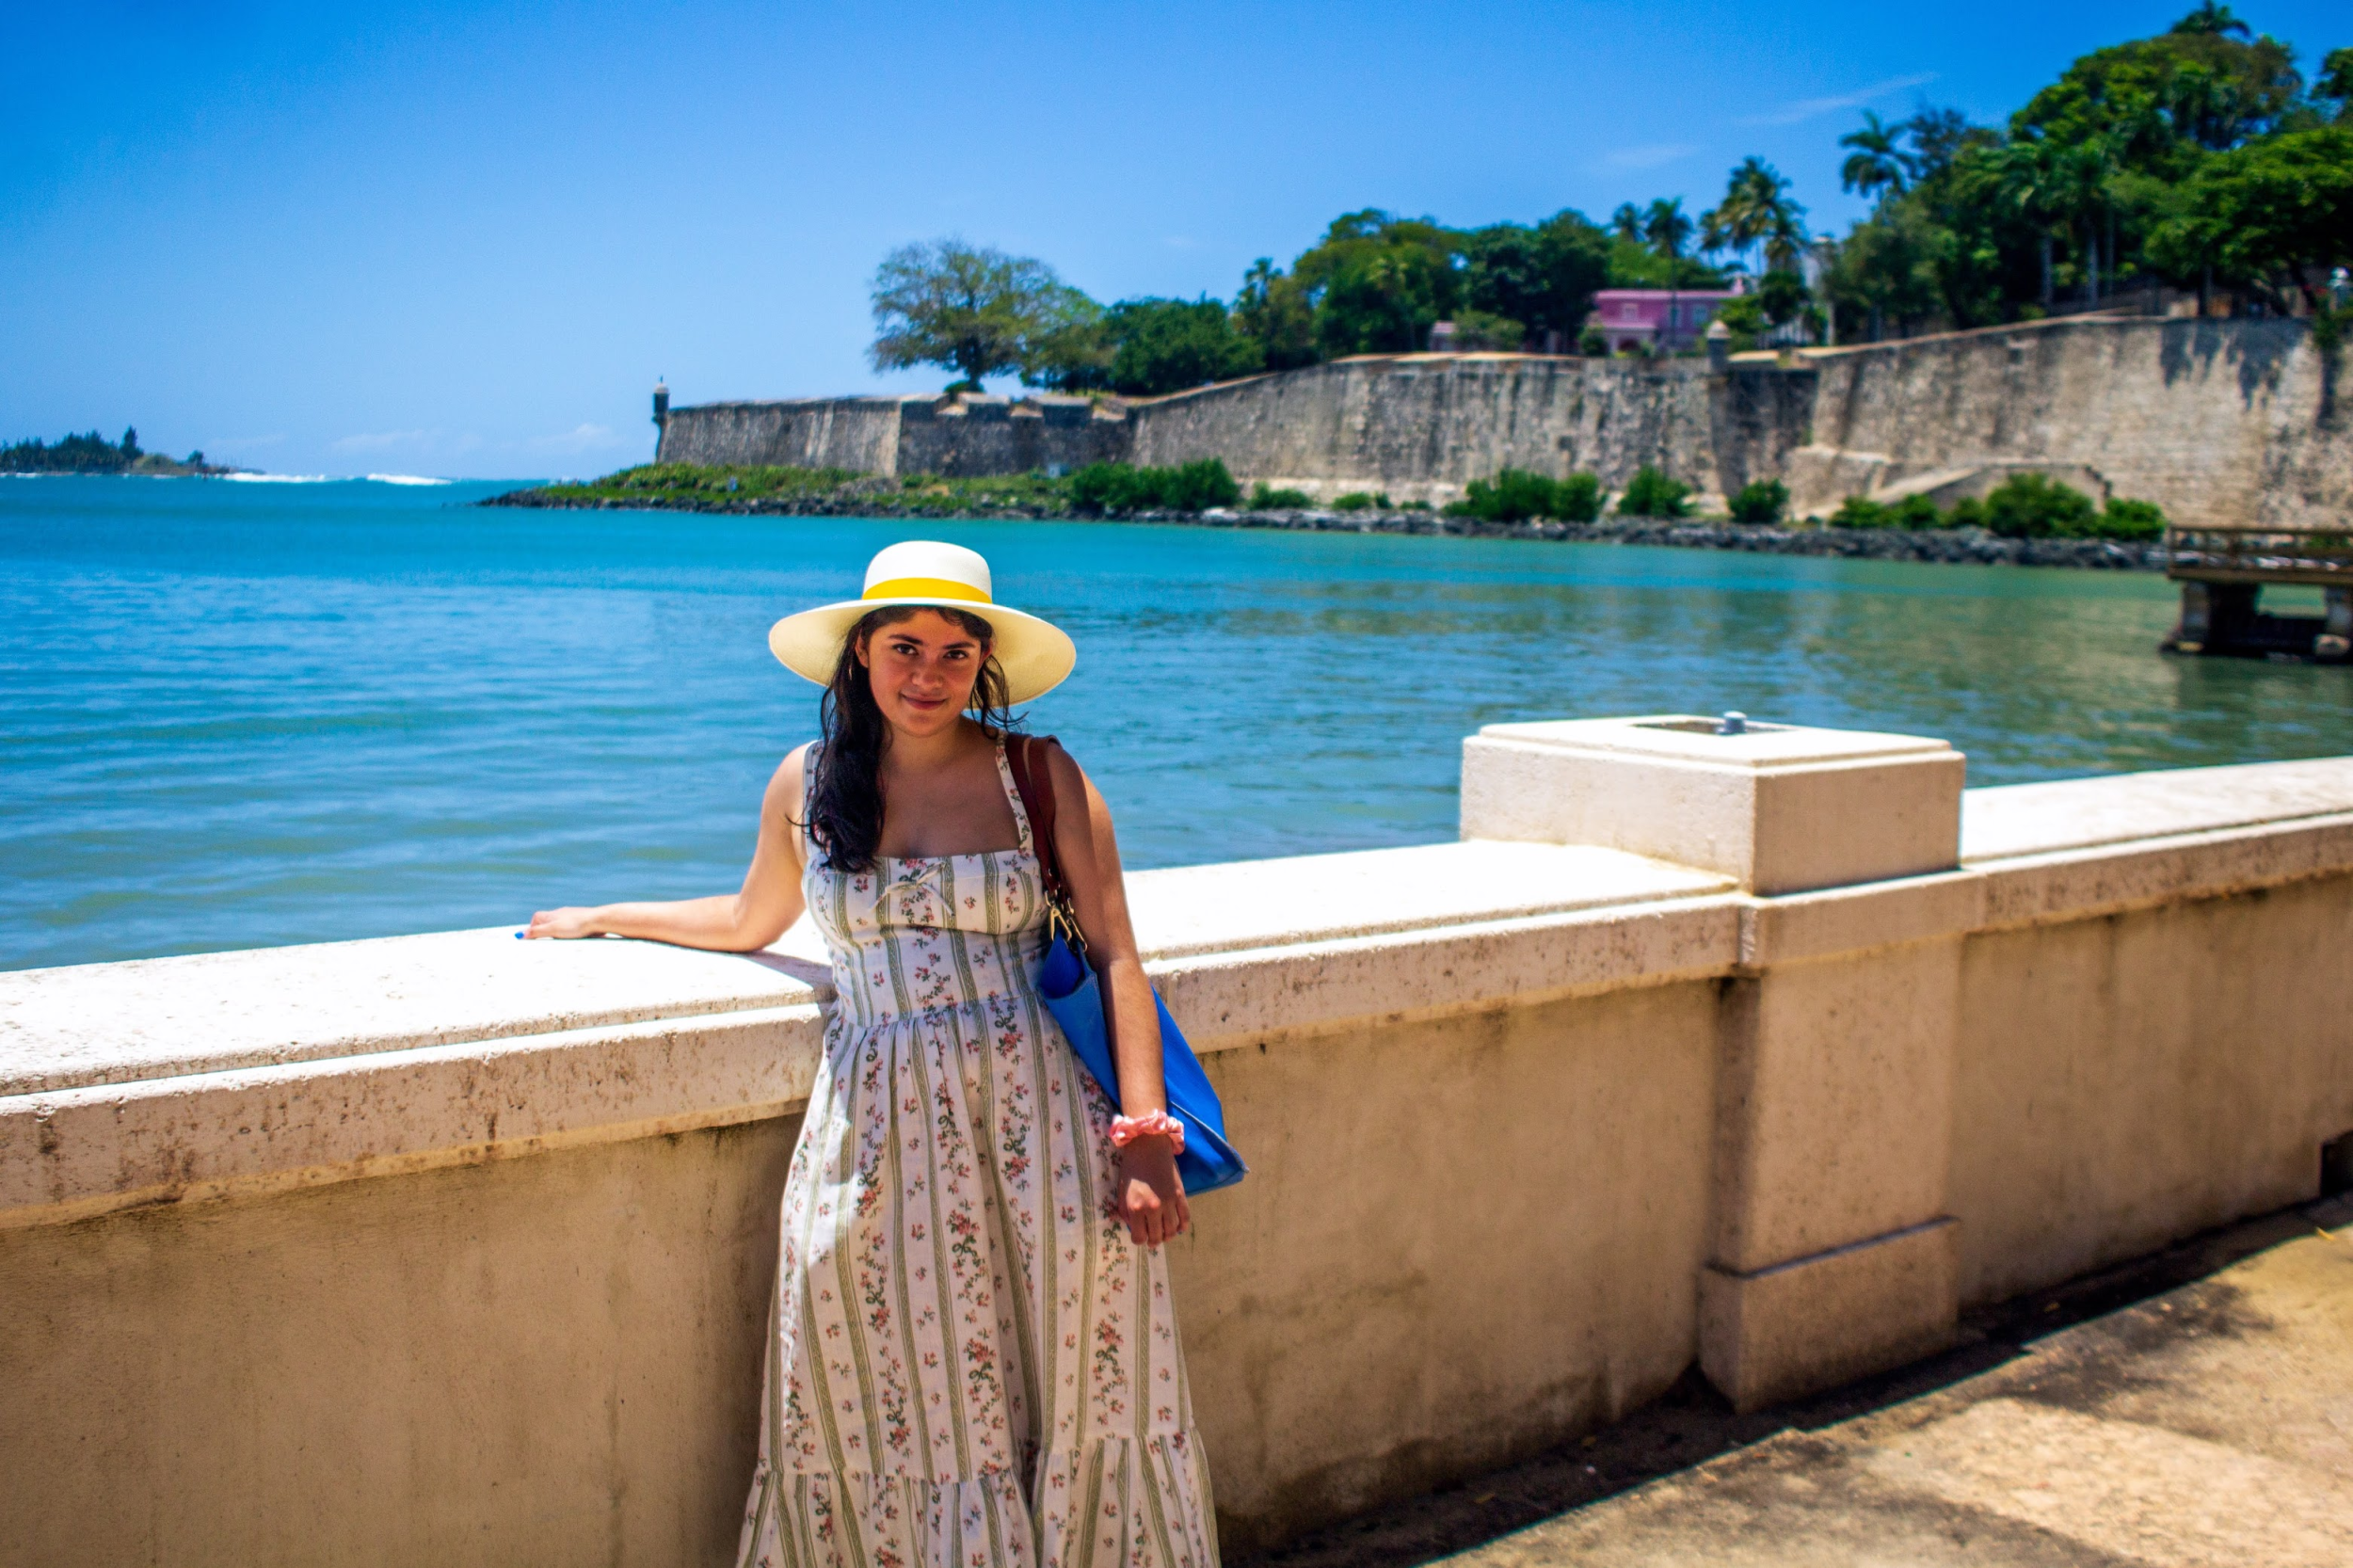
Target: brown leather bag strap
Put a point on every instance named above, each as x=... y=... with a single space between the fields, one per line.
x=1033 y=781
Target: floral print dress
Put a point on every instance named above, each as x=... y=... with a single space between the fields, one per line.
x=969 y=1364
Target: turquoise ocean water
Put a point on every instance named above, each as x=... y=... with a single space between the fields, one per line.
x=238 y=713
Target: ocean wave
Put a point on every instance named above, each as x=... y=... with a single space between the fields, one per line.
x=278 y=478
x=404 y=479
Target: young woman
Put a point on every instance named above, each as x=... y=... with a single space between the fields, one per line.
x=971 y=1359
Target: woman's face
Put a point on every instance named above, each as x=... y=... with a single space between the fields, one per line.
x=921 y=670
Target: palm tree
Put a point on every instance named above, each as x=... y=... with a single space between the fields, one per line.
x=1875 y=164
x=1626 y=222
x=1756 y=209
x=2031 y=181
x=1666 y=229
x=2212 y=19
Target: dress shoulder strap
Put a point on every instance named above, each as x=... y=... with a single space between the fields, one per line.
x=1032 y=781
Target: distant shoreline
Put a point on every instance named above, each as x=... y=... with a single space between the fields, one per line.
x=1946 y=546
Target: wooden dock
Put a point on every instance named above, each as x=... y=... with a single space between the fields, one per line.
x=2223 y=572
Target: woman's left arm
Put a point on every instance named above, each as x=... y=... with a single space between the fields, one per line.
x=1152 y=1199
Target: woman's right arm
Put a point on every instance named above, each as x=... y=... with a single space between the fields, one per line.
x=737 y=923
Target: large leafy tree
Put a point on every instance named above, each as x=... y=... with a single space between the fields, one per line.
x=1272 y=309
x=979 y=312
x=2275 y=214
x=1541 y=276
x=1164 y=345
x=1379 y=282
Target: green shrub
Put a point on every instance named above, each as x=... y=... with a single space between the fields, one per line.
x=2035 y=507
x=1415 y=506
x=1968 y=512
x=1354 y=501
x=1912 y=511
x=2132 y=520
x=1198 y=487
x=1916 y=511
x=1509 y=496
x=1591 y=344
x=1187 y=488
x=1652 y=494
x=1514 y=494
x=1861 y=512
x=1577 y=498
x=1760 y=501
x=1263 y=499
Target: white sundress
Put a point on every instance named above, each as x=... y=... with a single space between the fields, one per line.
x=969 y=1364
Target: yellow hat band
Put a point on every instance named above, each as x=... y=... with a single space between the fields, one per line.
x=926 y=587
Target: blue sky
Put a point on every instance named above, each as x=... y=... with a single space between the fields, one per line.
x=464 y=239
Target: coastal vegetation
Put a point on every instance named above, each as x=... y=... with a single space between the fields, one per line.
x=2201 y=158
x=780 y=489
x=2027 y=506
x=93 y=454
x=1650 y=494
x=1122 y=487
x=1514 y=494
x=1098 y=488
x=2024 y=507
x=1759 y=502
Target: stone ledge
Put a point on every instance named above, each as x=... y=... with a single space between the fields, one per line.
x=82 y=1152
x=2013 y=820
x=2077 y=885
x=95 y=1024
x=1799 y=927
x=1224 y=1001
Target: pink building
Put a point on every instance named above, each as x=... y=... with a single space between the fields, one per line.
x=1661 y=320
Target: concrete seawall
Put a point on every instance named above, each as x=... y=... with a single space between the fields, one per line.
x=2223 y=423
x=1766 y=1054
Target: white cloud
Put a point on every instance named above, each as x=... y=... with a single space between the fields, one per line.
x=1651 y=156
x=1810 y=108
x=380 y=440
x=580 y=438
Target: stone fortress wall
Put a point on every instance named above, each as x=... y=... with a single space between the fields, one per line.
x=959 y=438
x=2223 y=423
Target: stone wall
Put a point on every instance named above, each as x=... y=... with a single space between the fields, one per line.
x=455 y=1250
x=857 y=433
x=1421 y=426
x=2222 y=423
x=968 y=437
x=974 y=437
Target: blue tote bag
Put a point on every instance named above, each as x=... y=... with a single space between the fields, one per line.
x=1074 y=994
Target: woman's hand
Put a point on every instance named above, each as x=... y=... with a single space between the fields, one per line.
x=1151 y=1198
x=564 y=923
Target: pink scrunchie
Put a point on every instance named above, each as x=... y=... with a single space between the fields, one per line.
x=1126 y=1129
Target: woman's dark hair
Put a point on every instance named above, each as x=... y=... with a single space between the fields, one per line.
x=845 y=799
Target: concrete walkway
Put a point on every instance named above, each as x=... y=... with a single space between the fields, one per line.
x=2207 y=1426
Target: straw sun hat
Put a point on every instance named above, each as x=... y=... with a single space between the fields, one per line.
x=1036 y=655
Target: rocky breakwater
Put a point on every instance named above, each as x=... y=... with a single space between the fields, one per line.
x=890 y=498
x=1950 y=546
